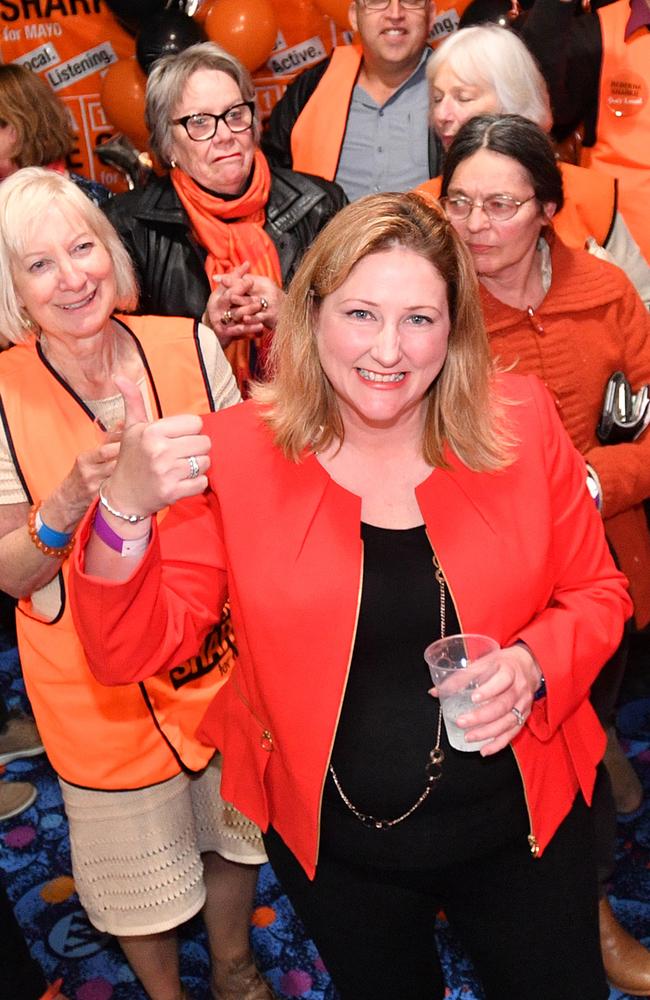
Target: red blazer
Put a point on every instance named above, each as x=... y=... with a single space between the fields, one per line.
x=523 y=552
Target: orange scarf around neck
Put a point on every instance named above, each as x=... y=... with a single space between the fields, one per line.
x=232 y=232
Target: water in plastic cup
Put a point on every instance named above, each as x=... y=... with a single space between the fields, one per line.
x=456 y=670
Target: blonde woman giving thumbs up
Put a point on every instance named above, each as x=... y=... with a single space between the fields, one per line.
x=152 y=841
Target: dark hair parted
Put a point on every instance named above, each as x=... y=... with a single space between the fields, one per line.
x=41 y=121
x=463 y=411
x=513 y=136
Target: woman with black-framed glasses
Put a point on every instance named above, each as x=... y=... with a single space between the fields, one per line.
x=222 y=233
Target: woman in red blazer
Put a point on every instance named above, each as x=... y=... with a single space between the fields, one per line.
x=384 y=488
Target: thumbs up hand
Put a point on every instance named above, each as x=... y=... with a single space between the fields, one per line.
x=134 y=408
x=159 y=462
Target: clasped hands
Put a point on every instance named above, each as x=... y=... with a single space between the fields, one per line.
x=511 y=686
x=243 y=305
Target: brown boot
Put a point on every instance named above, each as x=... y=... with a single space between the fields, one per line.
x=15 y=796
x=626 y=961
x=627 y=789
x=19 y=738
x=239 y=980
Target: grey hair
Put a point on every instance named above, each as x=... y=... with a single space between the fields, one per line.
x=167 y=82
x=24 y=199
x=489 y=54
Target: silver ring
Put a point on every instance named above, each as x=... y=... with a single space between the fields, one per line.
x=194 y=467
x=519 y=716
x=226 y=318
x=264 y=303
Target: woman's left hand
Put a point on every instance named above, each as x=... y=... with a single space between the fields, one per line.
x=511 y=686
x=265 y=298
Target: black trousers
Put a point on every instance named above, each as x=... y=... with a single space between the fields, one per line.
x=530 y=925
x=21 y=977
x=604 y=696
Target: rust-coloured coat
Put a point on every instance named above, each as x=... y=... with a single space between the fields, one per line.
x=591 y=323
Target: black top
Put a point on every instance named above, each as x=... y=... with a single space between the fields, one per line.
x=569 y=50
x=388 y=727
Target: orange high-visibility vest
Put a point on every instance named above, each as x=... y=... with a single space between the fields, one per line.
x=622 y=146
x=95 y=736
x=317 y=136
x=589 y=204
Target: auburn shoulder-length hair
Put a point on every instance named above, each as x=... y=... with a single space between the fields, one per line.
x=464 y=411
x=41 y=121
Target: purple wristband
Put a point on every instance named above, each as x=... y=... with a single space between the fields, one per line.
x=125 y=546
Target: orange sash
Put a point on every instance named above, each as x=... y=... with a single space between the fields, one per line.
x=317 y=135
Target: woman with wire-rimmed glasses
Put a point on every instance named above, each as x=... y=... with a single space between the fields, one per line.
x=220 y=236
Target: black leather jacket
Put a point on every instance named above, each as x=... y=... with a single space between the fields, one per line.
x=169 y=262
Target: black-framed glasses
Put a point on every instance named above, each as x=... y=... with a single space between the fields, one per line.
x=202 y=126
x=383 y=4
x=497 y=207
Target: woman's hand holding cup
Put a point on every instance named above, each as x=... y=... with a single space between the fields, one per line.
x=502 y=683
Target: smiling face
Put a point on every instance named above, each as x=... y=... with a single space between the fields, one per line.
x=454 y=102
x=382 y=337
x=64 y=277
x=498 y=249
x=393 y=38
x=222 y=163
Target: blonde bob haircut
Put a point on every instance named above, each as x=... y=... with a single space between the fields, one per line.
x=299 y=403
x=495 y=57
x=24 y=200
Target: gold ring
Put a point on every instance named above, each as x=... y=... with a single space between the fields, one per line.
x=264 y=303
x=226 y=319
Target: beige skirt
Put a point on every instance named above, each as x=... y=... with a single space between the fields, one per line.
x=136 y=855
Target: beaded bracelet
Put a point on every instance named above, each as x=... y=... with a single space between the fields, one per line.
x=60 y=552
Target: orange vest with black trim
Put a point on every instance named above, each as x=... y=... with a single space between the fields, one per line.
x=317 y=136
x=99 y=737
x=589 y=204
x=622 y=146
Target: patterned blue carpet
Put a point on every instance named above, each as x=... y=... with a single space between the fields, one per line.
x=35 y=859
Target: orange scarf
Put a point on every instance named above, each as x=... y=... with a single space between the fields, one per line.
x=232 y=232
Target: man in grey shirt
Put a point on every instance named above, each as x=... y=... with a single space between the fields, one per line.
x=361 y=116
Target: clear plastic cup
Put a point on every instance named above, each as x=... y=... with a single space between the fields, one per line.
x=457 y=668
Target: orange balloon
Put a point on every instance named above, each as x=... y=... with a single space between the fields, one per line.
x=246 y=28
x=201 y=11
x=122 y=97
x=337 y=10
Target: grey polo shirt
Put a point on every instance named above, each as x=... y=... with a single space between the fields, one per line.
x=386 y=148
